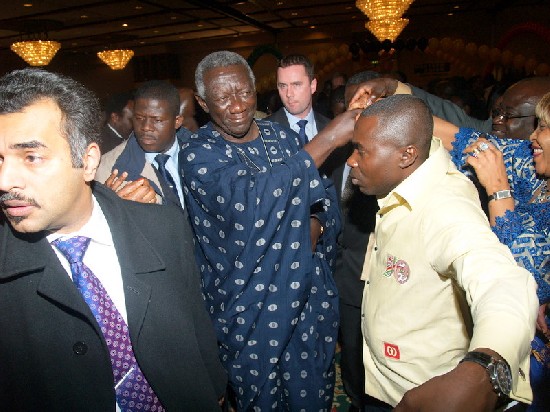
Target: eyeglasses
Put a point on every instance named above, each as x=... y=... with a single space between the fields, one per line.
x=496 y=113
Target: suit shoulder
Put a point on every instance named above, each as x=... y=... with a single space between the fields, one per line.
x=107 y=162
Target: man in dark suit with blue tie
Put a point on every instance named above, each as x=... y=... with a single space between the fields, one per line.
x=296 y=84
x=100 y=304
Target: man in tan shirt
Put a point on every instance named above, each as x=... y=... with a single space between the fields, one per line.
x=440 y=287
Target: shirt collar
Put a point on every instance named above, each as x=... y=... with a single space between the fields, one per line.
x=96 y=228
x=172 y=152
x=292 y=120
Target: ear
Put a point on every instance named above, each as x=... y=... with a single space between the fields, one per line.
x=313 y=86
x=409 y=154
x=90 y=160
x=202 y=103
x=179 y=121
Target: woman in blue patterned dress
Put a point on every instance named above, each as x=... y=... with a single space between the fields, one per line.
x=516 y=176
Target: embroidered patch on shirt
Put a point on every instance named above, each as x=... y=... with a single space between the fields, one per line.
x=391 y=351
x=398 y=268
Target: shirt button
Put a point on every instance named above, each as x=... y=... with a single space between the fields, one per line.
x=375 y=248
x=80 y=348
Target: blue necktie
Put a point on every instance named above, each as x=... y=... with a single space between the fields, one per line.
x=161 y=160
x=302 y=132
x=133 y=392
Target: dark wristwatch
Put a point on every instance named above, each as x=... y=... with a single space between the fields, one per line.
x=499 y=372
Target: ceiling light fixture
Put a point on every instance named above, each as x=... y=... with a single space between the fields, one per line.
x=36 y=52
x=385 y=17
x=116 y=59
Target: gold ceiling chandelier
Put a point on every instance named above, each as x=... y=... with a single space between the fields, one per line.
x=36 y=52
x=116 y=59
x=385 y=17
x=386 y=29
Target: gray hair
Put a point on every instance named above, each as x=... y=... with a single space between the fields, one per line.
x=217 y=59
x=81 y=113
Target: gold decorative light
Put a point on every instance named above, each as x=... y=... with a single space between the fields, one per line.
x=385 y=17
x=386 y=29
x=36 y=52
x=116 y=59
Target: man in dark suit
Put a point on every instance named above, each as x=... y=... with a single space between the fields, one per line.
x=118 y=120
x=358 y=221
x=296 y=84
x=130 y=329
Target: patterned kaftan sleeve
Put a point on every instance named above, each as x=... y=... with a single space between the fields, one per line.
x=526 y=229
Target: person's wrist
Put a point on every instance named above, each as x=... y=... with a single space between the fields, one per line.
x=499 y=194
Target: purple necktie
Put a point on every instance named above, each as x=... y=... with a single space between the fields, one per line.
x=133 y=392
x=302 y=132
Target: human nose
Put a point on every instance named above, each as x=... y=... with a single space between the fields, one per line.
x=10 y=176
x=237 y=104
x=352 y=162
x=147 y=124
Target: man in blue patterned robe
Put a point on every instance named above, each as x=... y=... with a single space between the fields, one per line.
x=265 y=223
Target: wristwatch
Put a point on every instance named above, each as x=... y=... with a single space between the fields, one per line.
x=498 y=370
x=501 y=194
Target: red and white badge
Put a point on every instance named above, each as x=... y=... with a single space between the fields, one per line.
x=391 y=351
x=397 y=268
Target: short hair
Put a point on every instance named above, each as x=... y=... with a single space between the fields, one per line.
x=298 y=60
x=543 y=109
x=117 y=102
x=81 y=113
x=362 y=77
x=160 y=90
x=217 y=59
x=403 y=119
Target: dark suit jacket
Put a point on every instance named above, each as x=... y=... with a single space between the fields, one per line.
x=335 y=159
x=53 y=356
x=358 y=221
x=109 y=140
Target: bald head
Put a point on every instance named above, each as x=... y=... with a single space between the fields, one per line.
x=529 y=90
x=391 y=140
x=515 y=113
x=404 y=120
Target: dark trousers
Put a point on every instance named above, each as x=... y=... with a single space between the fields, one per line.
x=351 y=360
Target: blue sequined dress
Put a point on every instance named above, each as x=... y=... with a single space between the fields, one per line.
x=526 y=231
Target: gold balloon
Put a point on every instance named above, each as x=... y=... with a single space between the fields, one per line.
x=458 y=45
x=322 y=56
x=433 y=43
x=506 y=58
x=494 y=55
x=542 y=69
x=519 y=61
x=471 y=48
x=446 y=43
x=483 y=51
x=530 y=65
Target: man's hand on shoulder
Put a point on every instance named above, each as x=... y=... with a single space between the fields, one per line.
x=465 y=388
x=139 y=190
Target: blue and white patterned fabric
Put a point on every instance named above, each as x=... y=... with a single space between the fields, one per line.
x=272 y=301
x=526 y=231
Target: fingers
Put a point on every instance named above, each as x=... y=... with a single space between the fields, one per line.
x=114 y=181
x=139 y=191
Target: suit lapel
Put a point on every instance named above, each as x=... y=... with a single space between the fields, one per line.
x=135 y=253
x=24 y=255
